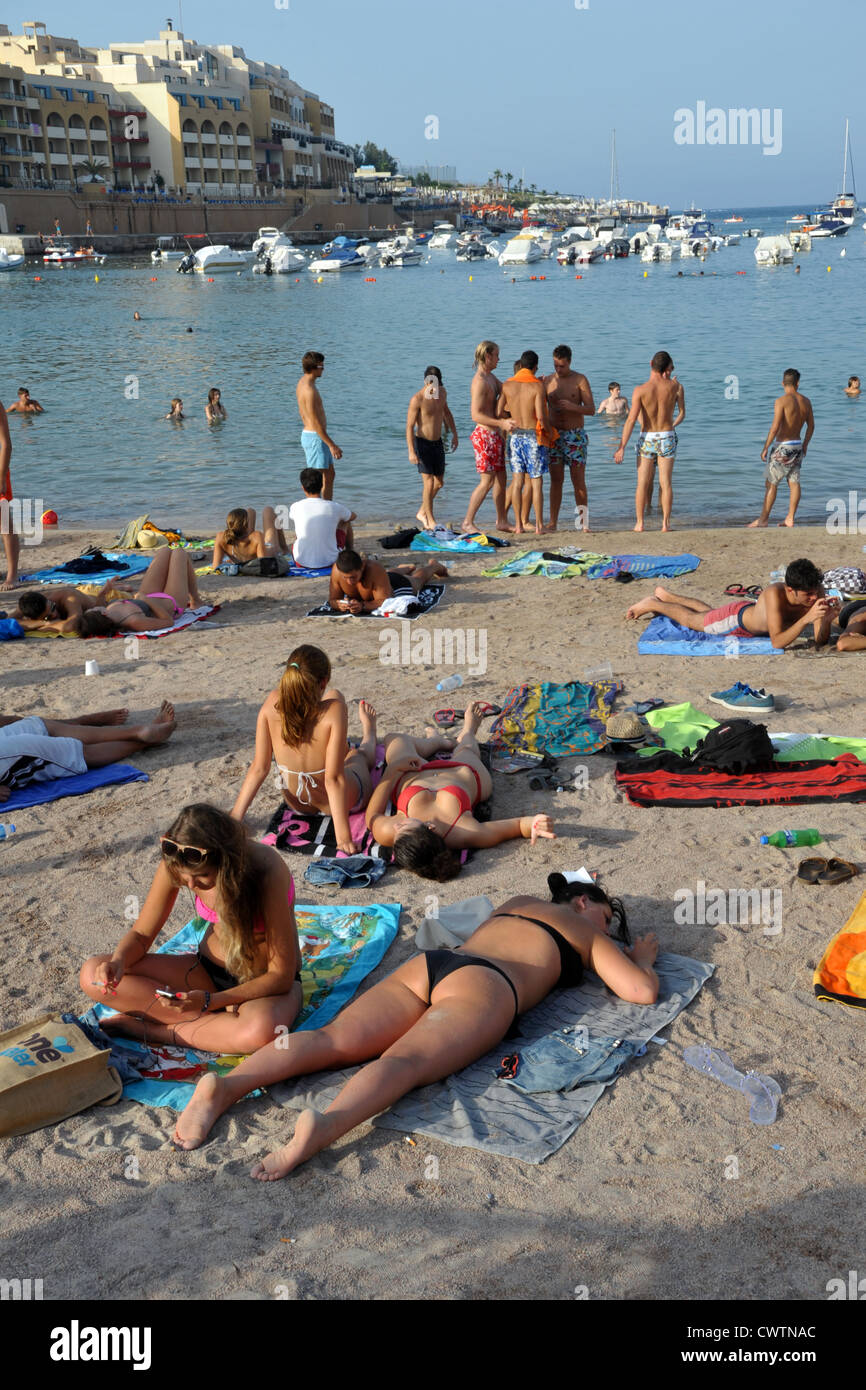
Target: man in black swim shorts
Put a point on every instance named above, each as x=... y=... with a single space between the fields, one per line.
x=428 y=411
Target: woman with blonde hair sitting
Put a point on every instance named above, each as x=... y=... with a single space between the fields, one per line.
x=240 y=542
x=303 y=725
x=241 y=986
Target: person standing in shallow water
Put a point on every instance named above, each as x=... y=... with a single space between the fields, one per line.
x=791 y=412
x=318 y=446
x=655 y=401
x=427 y=414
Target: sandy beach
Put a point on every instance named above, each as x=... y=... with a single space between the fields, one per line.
x=639 y=1203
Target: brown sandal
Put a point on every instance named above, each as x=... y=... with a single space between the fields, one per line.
x=810 y=870
x=838 y=871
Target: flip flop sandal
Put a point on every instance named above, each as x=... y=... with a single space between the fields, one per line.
x=541 y=782
x=736 y=591
x=488 y=711
x=446 y=717
x=644 y=706
x=811 y=869
x=753 y=591
x=838 y=871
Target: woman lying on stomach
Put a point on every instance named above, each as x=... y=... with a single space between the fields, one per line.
x=437 y=1013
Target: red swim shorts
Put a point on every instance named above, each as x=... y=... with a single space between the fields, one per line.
x=489 y=449
x=6 y=494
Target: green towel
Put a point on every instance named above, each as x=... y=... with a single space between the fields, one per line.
x=817 y=746
x=679 y=726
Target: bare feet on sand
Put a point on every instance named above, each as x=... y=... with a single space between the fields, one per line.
x=195 y=1123
x=637 y=610
x=162 y=728
x=639 y=526
x=789 y=521
x=106 y=716
x=664 y=594
x=312 y=1133
x=753 y=524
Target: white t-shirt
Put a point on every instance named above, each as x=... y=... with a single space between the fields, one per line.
x=315 y=522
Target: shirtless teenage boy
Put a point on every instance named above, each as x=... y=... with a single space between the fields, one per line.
x=488 y=437
x=359 y=585
x=791 y=412
x=428 y=411
x=524 y=399
x=25 y=405
x=615 y=403
x=57 y=608
x=569 y=399
x=654 y=401
x=781 y=613
x=318 y=446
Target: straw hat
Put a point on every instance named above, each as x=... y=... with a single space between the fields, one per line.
x=625 y=728
x=149 y=540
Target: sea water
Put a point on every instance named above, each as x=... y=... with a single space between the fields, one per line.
x=103 y=453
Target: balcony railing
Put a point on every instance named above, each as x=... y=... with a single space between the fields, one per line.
x=126 y=139
x=121 y=112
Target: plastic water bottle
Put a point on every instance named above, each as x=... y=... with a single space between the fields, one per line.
x=777 y=576
x=450 y=683
x=764 y=1093
x=6 y=831
x=786 y=839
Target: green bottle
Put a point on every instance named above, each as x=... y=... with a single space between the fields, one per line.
x=786 y=839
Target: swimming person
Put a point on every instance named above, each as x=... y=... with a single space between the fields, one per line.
x=303 y=726
x=240 y=542
x=241 y=986
x=43 y=750
x=437 y=1013
x=25 y=405
x=615 y=403
x=655 y=401
x=790 y=413
x=359 y=585
x=781 y=612
x=176 y=411
x=853 y=387
x=167 y=589
x=319 y=448
x=215 y=410
x=435 y=801
x=428 y=413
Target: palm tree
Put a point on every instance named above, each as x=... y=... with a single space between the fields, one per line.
x=508 y=179
x=533 y=190
x=497 y=177
x=93 y=167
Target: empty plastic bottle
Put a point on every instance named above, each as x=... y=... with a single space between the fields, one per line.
x=776 y=576
x=786 y=839
x=6 y=831
x=764 y=1093
x=450 y=683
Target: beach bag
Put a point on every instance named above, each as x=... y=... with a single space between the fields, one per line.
x=737 y=747
x=269 y=567
x=49 y=1070
x=846 y=578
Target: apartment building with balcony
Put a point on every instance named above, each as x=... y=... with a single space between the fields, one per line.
x=195 y=118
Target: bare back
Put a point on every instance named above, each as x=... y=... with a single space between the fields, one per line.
x=524 y=401
x=310 y=407
x=792 y=412
x=309 y=757
x=429 y=412
x=658 y=398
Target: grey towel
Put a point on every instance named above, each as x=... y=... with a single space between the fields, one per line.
x=474 y=1110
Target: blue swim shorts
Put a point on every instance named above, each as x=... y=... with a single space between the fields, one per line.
x=317 y=452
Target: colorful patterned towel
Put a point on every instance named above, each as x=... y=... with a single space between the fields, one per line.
x=558 y=719
x=841 y=974
x=533 y=562
x=340 y=946
x=423 y=601
x=645 y=566
x=474 y=543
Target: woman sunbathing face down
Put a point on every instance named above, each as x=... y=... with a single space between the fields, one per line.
x=437 y=1013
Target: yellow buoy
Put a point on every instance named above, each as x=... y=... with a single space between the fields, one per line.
x=829 y=267
x=96 y=278
x=645 y=274
x=320 y=279
x=470 y=277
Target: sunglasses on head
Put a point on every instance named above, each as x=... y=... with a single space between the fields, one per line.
x=189 y=856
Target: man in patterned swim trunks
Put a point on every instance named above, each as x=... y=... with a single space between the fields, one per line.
x=524 y=400
x=569 y=399
x=781 y=612
x=488 y=438
x=791 y=412
x=11 y=543
x=655 y=401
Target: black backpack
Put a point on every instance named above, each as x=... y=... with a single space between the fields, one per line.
x=736 y=747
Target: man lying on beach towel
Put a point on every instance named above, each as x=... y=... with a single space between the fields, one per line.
x=359 y=585
x=42 y=750
x=59 y=608
x=781 y=612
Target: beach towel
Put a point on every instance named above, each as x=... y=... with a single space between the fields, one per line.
x=59 y=574
x=417 y=604
x=10 y=630
x=443 y=538
x=310 y=832
x=663 y=637
x=184 y=620
x=557 y=719
x=574 y=561
x=645 y=566
x=340 y=946
x=475 y=1110
x=841 y=974
x=293 y=572
x=665 y=779
x=37 y=793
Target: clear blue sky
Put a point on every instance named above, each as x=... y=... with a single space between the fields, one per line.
x=535 y=86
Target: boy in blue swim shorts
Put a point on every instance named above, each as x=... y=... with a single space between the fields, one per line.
x=319 y=448
x=524 y=400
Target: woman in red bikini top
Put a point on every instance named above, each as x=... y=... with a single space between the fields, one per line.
x=435 y=801
x=167 y=589
x=241 y=986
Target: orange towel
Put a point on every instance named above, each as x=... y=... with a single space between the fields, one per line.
x=545 y=435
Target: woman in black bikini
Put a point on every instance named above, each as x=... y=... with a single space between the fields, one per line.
x=167 y=589
x=437 y=1013
x=435 y=802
